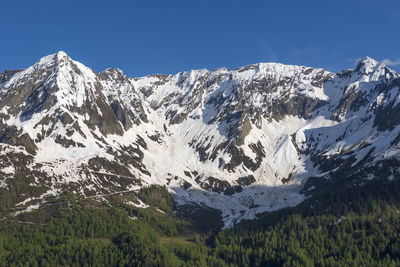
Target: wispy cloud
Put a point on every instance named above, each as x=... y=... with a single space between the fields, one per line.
x=392 y=63
x=354 y=60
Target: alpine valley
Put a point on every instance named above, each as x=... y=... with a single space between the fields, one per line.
x=246 y=141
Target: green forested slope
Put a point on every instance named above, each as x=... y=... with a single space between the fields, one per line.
x=343 y=224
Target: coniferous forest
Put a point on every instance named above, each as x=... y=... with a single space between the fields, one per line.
x=341 y=225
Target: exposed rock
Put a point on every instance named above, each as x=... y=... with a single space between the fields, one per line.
x=246 y=180
x=7 y=74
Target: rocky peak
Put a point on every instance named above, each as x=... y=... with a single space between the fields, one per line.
x=369 y=69
x=55 y=60
x=125 y=101
x=112 y=74
x=367 y=65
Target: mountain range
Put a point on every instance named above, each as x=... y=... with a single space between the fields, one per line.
x=244 y=141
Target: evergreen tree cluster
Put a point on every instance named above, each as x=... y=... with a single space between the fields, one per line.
x=352 y=226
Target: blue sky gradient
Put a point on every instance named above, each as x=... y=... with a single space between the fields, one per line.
x=145 y=37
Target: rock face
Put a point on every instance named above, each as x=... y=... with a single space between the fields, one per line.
x=243 y=141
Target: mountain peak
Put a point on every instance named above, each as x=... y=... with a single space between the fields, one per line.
x=369 y=61
x=113 y=74
x=367 y=65
x=53 y=60
x=113 y=71
x=61 y=54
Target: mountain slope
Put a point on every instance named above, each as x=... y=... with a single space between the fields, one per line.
x=244 y=141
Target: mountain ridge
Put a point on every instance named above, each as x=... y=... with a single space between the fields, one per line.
x=244 y=141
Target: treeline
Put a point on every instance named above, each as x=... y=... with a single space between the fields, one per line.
x=351 y=240
x=342 y=225
x=350 y=226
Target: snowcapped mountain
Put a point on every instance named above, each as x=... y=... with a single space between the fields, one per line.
x=243 y=141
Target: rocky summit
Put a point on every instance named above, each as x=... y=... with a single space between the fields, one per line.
x=244 y=141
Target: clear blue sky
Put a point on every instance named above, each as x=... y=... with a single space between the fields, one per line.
x=144 y=37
